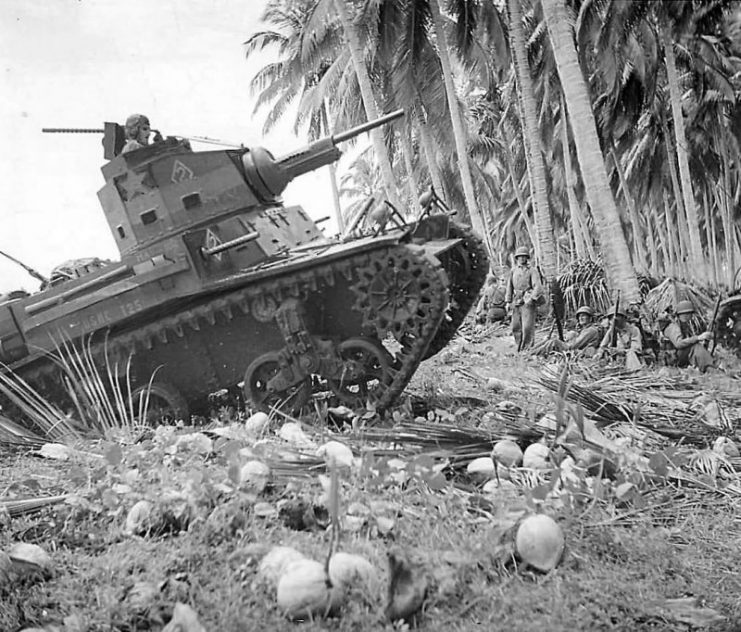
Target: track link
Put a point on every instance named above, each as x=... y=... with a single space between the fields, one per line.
x=467 y=266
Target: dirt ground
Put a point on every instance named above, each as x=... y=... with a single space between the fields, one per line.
x=652 y=528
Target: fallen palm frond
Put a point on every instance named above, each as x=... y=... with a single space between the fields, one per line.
x=15 y=435
x=603 y=410
x=457 y=443
x=24 y=506
x=45 y=417
x=98 y=388
x=104 y=401
x=629 y=399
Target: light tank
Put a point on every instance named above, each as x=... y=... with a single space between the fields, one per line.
x=220 y=284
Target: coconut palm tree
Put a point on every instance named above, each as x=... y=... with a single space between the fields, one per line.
x=346 y=12
x=531 y=139
x=455 y=117
x=294 y=75
x=618 y=266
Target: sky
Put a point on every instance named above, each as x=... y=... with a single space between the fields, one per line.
x=79 y=63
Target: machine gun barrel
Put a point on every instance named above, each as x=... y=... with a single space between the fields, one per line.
x=72 y=130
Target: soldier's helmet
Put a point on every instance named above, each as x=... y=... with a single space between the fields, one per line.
x=585 y=309
x=620 y=311
x=522 y=251
x=133 y=123
x=684 y=307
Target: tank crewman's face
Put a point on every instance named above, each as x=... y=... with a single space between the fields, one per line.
x=584 y=319
x=685 y=317
x=142 y=135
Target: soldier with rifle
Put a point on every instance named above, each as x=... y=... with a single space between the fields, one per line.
x=524 y=293
x=688 y=343
x=623 y=341
x=585 y=339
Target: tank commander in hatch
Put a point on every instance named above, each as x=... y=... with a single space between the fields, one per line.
x=137 y=131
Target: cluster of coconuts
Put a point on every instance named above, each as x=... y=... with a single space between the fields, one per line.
x=507 y=454
x=539 y=540
x=306 y=588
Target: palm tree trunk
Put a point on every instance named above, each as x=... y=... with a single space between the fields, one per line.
x=620 y=272
x=690 y=208
x=670 y=235
x=428 y=148
x=682 y=230
x=333 y=175
x=728 y=208
x=407 y=151
x=709 y=236
x=574 y=210
x=531 y=140
x=521 y=201
x=455 y=118
x=651 y=261
x=635 y=218
x=369 y=101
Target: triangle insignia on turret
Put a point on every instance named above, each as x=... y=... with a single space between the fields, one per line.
x=181 y=172
x=211 y=241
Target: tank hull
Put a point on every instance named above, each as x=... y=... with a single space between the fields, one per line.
x=388 y=296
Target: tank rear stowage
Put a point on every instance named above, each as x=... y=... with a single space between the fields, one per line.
x=220 y=284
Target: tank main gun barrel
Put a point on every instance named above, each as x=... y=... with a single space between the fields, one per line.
x=269 y=176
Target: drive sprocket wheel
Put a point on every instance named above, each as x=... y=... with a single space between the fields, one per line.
x=365 y=373
x=259 y=386
x=394 y=293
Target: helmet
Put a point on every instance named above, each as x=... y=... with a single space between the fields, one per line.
x=522 y=251
x=620 y=311
x=685 y=307
x=585 y=309
x=133 y=123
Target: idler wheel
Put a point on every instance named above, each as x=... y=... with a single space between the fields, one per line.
x=162 y=403
x=266 y=393
x=365 y=372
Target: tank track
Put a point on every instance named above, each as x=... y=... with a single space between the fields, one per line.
x=467 y=277
x=261 y=299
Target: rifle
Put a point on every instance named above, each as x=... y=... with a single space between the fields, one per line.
x=613 y=338
x=556 y=317
x=713 y=327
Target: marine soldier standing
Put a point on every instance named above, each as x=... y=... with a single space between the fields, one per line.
x=524 y=291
